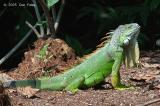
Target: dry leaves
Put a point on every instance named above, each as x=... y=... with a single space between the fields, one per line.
x=147 y=65
x=27 y=91
x=5 y=77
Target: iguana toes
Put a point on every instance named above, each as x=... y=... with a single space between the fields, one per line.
x=95 y=68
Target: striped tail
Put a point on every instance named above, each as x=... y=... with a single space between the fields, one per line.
x=22 y=83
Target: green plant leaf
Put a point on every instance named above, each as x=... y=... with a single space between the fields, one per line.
x=41 y=23
x=155 y=4
x=50 y=3
x=43 y=52
x=152 y=4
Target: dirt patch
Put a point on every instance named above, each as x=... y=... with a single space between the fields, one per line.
x=49 y=58
x=146 y=80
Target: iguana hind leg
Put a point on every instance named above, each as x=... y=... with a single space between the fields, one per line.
x=74 y=85
x=94 y=79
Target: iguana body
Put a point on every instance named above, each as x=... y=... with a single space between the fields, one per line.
x=105 y=61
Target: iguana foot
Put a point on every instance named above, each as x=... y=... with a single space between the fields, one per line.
x=72 y=92
x=123 y=87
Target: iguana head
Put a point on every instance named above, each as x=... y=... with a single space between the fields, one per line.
x=128 y=33
x=128 y=40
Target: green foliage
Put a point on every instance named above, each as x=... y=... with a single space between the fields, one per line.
x=110 y=16
x=41 y=23
x=43 y=52
x=76 y=45
x=50 y=3
x=107 y=16
x=152 y=4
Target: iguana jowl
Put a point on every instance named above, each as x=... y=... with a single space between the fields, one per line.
x=105 y=61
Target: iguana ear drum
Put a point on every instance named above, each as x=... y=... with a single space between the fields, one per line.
x=126 y=42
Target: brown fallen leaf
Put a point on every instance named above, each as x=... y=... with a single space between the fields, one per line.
x=27 y=91
x=143 y=77
x=147 y=65
x=148 y=77
x=12 y=90
x=5 y=77
x=157 y=87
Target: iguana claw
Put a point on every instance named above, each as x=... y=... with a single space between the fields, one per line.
x=123 y=87
x=72 y=92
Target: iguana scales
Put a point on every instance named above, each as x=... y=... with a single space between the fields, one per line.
x=95 y=68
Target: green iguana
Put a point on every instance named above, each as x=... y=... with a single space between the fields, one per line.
x=95 y=68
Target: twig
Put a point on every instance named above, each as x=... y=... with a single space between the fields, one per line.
x=16 y=47
x=38 y=18
x=2 y=12
x=2 y=60
x=158 y=42
x=54 y=13
x=59 y=14
x=48 y=17
x=34 y=29
x=48 y=31
x=4 y=9
x=150 y=102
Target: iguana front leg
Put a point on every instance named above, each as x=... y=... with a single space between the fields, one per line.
x=115 y=75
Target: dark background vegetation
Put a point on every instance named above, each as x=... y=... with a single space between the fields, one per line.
x=83 y=24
